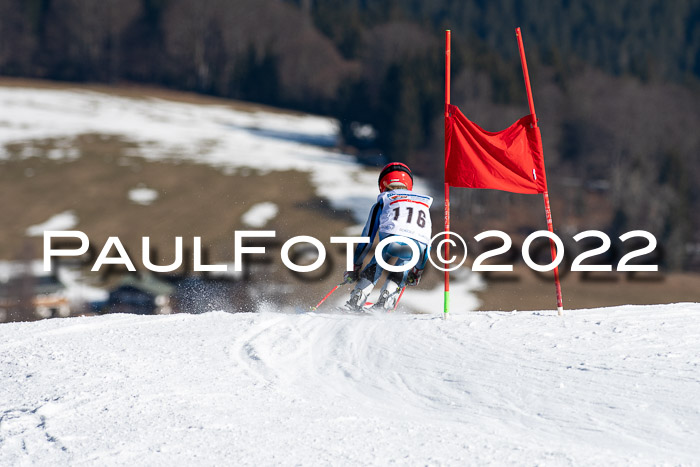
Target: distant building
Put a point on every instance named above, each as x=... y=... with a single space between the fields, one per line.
x=27 y=298
x=141 y=295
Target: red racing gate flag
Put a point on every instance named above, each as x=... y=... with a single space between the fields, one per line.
x=509 y=160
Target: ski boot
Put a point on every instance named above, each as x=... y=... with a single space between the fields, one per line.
x=387 y=297
x=358 y=296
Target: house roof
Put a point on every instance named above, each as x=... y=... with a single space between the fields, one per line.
x=40 y=285
x=147 y=283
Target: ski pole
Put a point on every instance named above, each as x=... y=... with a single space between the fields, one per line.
x=399 y=299
x=314 y=308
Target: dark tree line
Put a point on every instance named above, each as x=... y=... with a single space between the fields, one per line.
x=376 y=61
x=616 y=82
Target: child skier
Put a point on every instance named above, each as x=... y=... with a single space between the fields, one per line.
x=398 y=211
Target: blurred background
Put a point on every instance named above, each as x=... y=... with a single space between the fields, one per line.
x=167 y=118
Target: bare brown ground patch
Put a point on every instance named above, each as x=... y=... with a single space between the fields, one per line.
x=193 y=200
x=528 y=292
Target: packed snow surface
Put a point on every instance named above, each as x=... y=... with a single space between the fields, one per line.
x=600 y=386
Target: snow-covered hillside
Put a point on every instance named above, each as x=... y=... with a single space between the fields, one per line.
x=232 y=139
x=601 y=387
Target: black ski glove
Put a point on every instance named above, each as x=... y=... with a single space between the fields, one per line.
x=351 y=276
x=413 y=277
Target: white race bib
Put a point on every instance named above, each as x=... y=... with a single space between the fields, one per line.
x=406 y=213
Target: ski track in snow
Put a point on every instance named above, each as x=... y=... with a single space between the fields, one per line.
x=602 y=386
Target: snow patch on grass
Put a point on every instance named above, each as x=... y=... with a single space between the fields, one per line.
x=63 y=221
x=77 y=291
x=260 y=214
x=229 y=139
x=142 y=195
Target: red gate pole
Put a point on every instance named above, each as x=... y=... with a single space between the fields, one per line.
x=547 y=210
x=446 y=309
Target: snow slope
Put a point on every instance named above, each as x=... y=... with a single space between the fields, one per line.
x=599 y=387
x=232 y=140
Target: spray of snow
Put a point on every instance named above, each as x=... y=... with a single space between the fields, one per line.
x=63 y=221
x=260 y=214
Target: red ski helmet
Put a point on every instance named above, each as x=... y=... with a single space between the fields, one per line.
x=394 y=175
